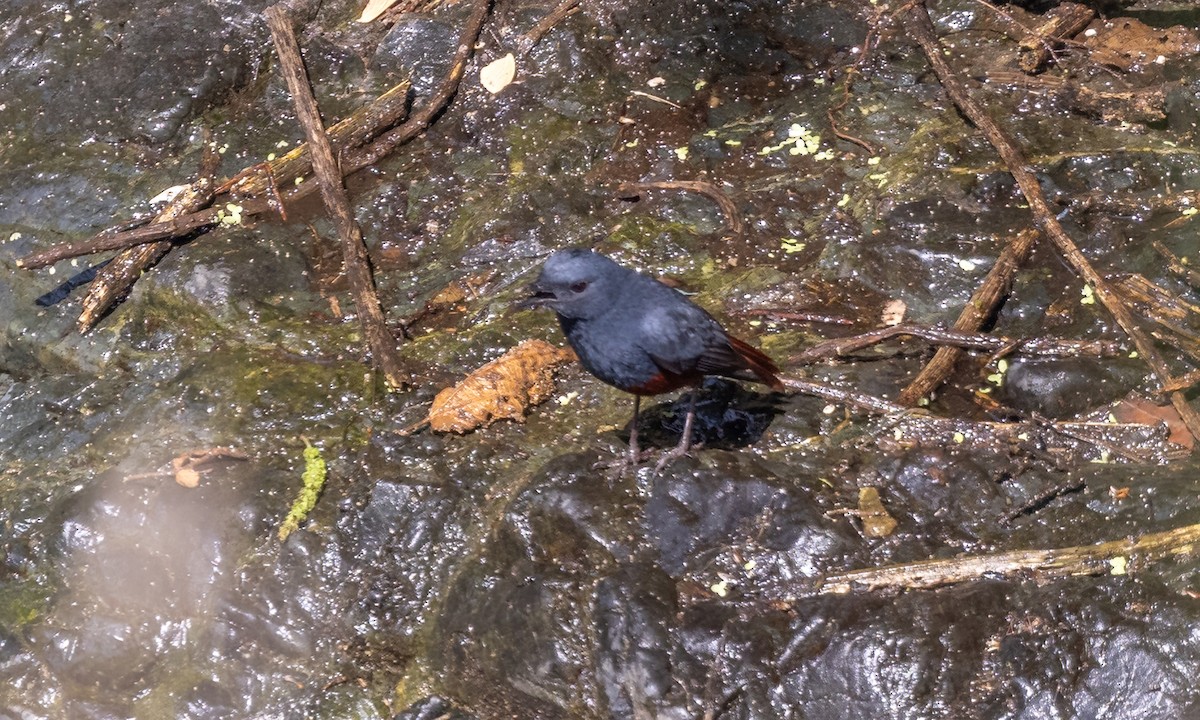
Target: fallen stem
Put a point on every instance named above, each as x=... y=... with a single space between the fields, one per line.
x=1114 y=557
x=920 y=27
x=356 y=264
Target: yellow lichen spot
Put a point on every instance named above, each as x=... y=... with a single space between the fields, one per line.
x=844 y=201
x=733 y=143
x=1089 y=296
x=1118 y=565
x=959 y=438
x=791 y=245
x=231 y=215
x=873 y=160
x=681 y=153
x=807 y=141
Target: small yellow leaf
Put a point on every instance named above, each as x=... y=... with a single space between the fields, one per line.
x=498 y=74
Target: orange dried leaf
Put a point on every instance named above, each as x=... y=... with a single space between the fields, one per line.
x=1144 y=412
x=503 y=389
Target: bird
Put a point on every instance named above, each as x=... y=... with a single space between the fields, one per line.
x=638 y=335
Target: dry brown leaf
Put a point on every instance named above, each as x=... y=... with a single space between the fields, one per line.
x=1130 y=44
x=189 y=465
x=1144 y=412
x=505 y=388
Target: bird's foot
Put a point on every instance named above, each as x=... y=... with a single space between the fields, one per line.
x=624 y=462
x=670 y=456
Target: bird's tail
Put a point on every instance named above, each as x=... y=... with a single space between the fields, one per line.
x=757 y=362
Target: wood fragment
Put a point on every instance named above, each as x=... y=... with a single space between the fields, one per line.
x=733 y=218
x=356 y=264
x=422 y=118
x=1063 y=22
x=1115 y=557
x=920 y=28
x=562 y=11
x=856 y=400
x=113 y=281
x=363 y=125
x=1052 y=347
x=985 y=302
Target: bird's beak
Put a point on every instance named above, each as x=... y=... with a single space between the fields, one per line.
x=537 y=298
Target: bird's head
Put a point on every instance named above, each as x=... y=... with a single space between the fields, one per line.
x=577 y=283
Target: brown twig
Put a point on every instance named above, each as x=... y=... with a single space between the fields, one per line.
x=733 y=218
x=565 y=9
x=856 y=400
x=356 y=264
x=118 y=240
x=1053 y=347
x=365 y=124
x=920 y=27
x=190 y=210
x=113 y=281
x=421 y=119
x=1063 y=22
x=1115 y=557
x=984 y=303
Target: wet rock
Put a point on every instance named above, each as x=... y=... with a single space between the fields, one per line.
x=1065 y=388
x=133 y=73
x=418 y=48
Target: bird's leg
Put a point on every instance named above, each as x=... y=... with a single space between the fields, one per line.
x=685 y=442
x=633 y=439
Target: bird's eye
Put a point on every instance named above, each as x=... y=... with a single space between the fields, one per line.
x=579 y=287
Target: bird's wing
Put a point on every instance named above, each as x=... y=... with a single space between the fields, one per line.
x=684 y=339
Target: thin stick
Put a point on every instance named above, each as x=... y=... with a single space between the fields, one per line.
x=1115 y=557
x=418 y=121
x=115 y=278
x=920 y=27
x=1052 y=347
x=564 y=9
x=733 y=218
x=984 y=303
x=857 y=400
x=354 y=253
